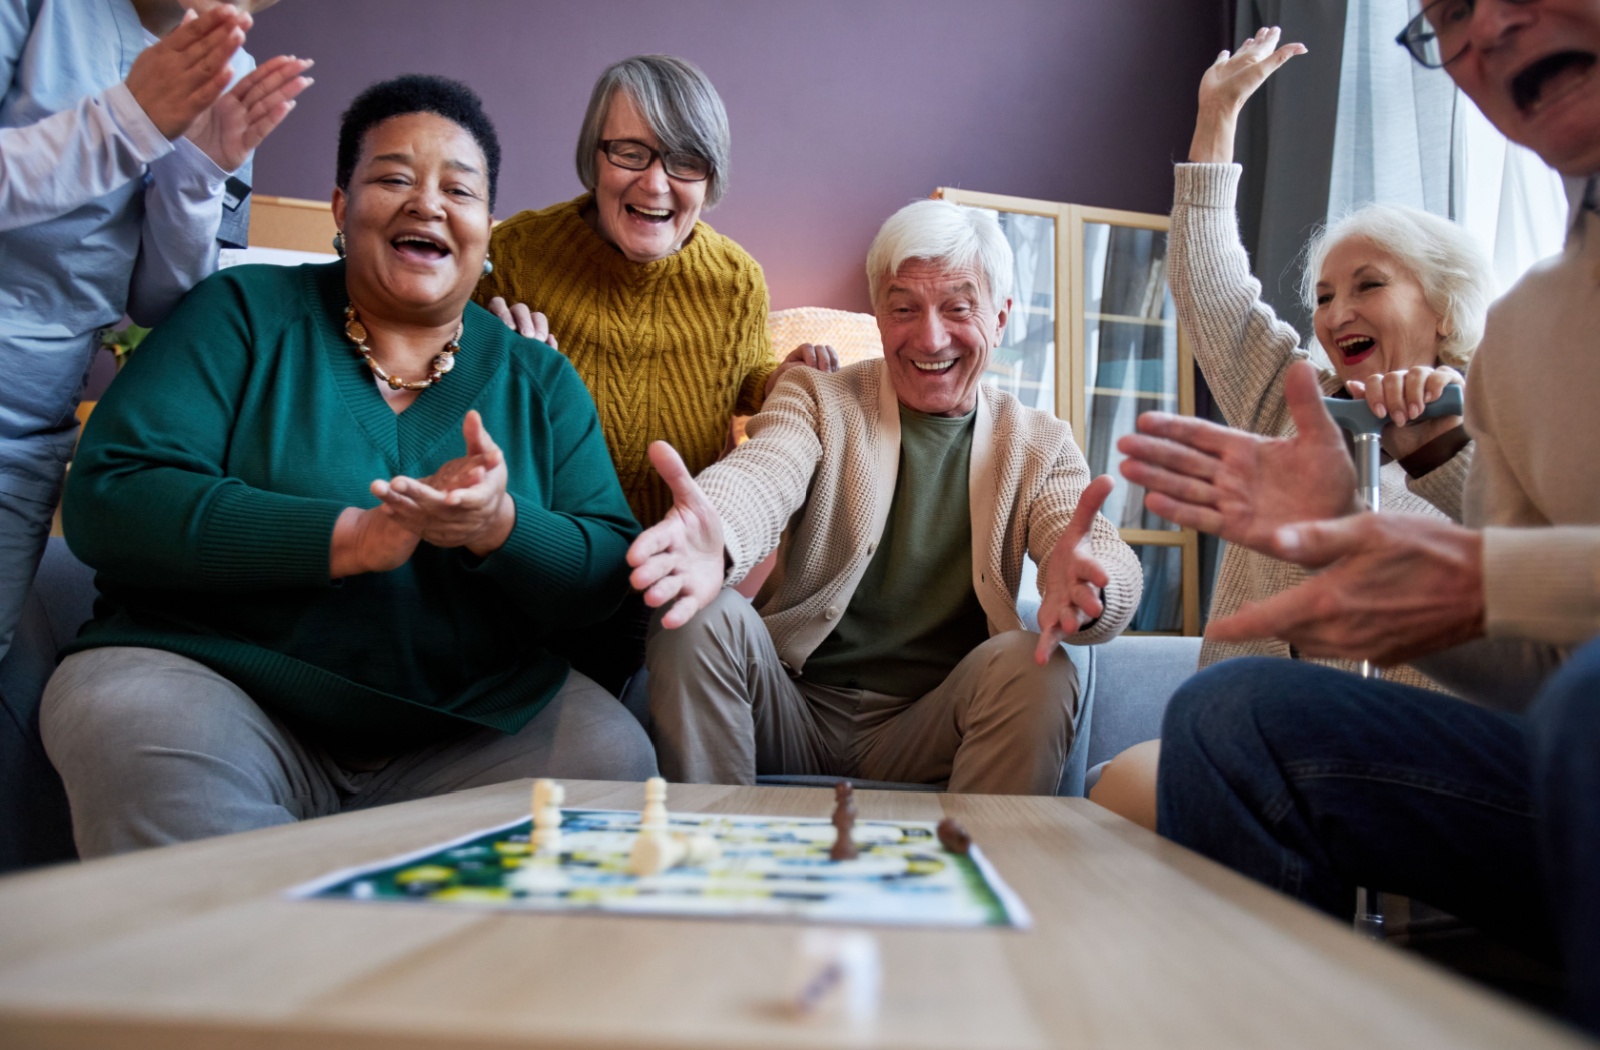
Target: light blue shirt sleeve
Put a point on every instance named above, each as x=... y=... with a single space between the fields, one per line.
x=178 y=242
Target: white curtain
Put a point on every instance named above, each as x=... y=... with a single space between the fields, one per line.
x=1405 y=135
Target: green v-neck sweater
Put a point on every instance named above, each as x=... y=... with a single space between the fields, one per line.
x=207 y=484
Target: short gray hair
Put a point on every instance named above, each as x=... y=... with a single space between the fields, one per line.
x=1447 y=261
x=678 y=103
x=948 y=233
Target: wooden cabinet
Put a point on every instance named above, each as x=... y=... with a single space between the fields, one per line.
x=1094 y=338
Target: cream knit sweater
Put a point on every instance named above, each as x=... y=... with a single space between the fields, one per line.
x=1243 y=350
x=818 y=474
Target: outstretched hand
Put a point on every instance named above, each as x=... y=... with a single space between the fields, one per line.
x=1074 y=584
x=1241 y=486
x=1392 y=587
x=462 y=504
x=177 y=78
x=680 y=559
x=1227 y=85
x=235 y=124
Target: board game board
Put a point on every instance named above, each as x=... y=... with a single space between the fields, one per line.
x=770 y=868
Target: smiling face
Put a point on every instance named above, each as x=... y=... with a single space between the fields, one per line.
x=415 y=218
x=939 y=327
x=1372 y=315
x=647 y=215
x=1534 y=71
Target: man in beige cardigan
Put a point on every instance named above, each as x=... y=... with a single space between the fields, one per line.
x=902 y=496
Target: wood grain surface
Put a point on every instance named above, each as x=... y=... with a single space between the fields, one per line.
x=1136 y=943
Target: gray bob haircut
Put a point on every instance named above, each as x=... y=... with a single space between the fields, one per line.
x=678 y=103
x=1447 y=261
x=947 y=233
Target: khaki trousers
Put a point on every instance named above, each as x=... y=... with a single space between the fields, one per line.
x=725 y=709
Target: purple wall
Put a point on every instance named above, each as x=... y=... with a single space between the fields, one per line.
x=842 y=110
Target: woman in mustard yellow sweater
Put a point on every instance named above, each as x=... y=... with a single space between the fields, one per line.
x=664 y=318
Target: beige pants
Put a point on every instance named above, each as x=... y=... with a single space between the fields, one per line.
x=725 y=710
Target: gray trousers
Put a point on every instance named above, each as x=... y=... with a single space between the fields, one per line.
x=725 y=709
x=155 y=748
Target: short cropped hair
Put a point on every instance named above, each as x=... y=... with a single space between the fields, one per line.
x=949 y=233
x=416 y=93
x=676 y=100
x=1447 y=261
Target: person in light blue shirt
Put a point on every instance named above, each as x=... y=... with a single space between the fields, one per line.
x=118 y=134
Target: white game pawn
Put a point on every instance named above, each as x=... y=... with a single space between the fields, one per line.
x=654 y=815
x=547 y=818
x=701 y=849
x=654 y=853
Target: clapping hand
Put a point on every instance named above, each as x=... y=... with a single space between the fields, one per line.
x=179 y=77
x=235 y=124
x=680 y=559
x=1075 y=582
x=462 y=504
x=1241 y=486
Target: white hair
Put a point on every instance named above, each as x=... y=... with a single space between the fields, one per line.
x=1447 y=261
x=948 y=233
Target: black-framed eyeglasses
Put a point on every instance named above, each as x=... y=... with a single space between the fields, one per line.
x=1439 y=35
x=636 y=156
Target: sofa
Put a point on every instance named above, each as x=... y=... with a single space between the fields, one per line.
x=1126 y=684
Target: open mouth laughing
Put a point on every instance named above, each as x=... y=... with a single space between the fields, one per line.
x=650 y=215
x=1550 y=78
x=934 y=367
x=1356 y=348
x=420 y=247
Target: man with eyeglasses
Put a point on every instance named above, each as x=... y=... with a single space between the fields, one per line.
x=1315 y=781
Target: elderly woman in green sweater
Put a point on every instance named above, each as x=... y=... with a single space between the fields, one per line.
x=325 y=585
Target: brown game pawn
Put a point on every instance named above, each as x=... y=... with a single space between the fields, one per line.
x=844 y=819
x=953 y=836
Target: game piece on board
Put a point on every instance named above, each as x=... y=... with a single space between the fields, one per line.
x=837 y=974
x=953 y=836
x=655 y=852
x=547 y=818
x=703 y=849
x=844 y=819
x=654 y=814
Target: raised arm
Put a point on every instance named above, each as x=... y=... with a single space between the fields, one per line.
x=1240 y=344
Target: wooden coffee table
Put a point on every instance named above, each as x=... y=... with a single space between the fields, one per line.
x=1136 y=943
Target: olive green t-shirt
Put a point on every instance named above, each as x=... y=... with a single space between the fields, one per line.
x=914 y=615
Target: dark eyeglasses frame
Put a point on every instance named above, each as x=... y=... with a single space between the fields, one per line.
x=669 y=161
x=1418 y=33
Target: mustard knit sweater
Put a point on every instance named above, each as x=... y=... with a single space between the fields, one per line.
x=671 y=350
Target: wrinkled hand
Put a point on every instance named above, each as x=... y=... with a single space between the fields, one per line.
x=1400 y=397
x=1392 y=587
x=369 y=540
x=1075 y=582
x=1227 y=85
x=523 y=321
x=179 y=77
x=462 y=504
x=680 y=559
x=808 y=355
x=235 y=124
x=1240 y=486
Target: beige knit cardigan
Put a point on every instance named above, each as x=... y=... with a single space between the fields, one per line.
x=1243 y=350
x=818 y=474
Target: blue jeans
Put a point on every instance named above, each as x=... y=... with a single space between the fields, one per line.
x=1314 y=781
